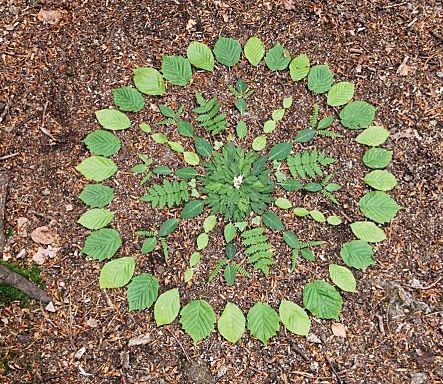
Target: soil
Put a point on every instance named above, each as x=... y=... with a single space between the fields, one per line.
x=54 y=76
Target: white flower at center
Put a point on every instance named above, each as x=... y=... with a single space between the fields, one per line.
x=238 y=180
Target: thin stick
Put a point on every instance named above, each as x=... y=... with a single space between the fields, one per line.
x=180 y=344
x=333 y=370
x=6 y=157
x=4 y=181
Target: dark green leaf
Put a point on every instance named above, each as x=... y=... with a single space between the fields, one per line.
x=280 y=151
x=162 y=170
x=305 y=135
x=229 y=274
x=192 y=209
x=227 y=51
x=149 y=245
x=203 y=147
x=128 y=99
x=186 y=172
x=142 y=292
x=102 y=143
x=272 y=221
x=320 y=78
x=168 y=227
x=277 y=58
x=185 y=128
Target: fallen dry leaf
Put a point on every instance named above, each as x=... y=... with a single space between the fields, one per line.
x=404 y=69
x=92 y=322
x=288 y=4
x=43 y=254
x=22 y=227
x=190 y=24
x=338 y=329
x=49 y=17
x=139 y=340
x=43 y=235
x=50 y=307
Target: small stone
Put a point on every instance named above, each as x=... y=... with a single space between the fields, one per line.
x=69 y=207
x=439 y=75
x=78 y=355
x=46 y=192
x=313 y=338
x=314 y=367
x=221 y=371
x=419 y=378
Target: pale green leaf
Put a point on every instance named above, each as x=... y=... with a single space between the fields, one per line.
x=197 y=319
x=231 y=324
x=381 y=180
x=373 y=136
x=210 y=223
x=102 y=143
x=96 y=195
x=191 y=158
x=195 y=259
x=294 y=318
x=282 y=203
x=340 y=93
x=102 y=244
x=254 y=50
x=142 y=292
x=269 y=126
x=368 y=231
x=202 y=241
x=229 y=232
x=96 y=218
x=377 y=158
x=322 y=300
x=149 y=81
x=200 y=56
x=112 y=119
x=167 y=307
x=342 y=277
x=97 y=168
x=259 y=143
x=299 y=67
x=117 y=273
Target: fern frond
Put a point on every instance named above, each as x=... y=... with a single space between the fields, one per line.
x=217 y=269
x=258 y=249
x=331 y=134
x=240 y=270
x=170 y=194
x=165 y=248
x=311 y=243
x=145 y=233
x=210 y=117
x=308 y=164
x=329 y=196
x=313 y=121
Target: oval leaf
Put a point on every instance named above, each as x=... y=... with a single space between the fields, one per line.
x=272 y=221
x=231 y=324
x=96 y=195
x=227 y=51
x=357 y=115
x=96 y=218
x=102 y=244
x=254 y=50
x=263 y=322
x=320 y=78
x=294 y=318
x=177 y=70
x=197 y=319
x=117 y=273
x=322 y=300
x=200 y=56
x=280 y=151
x=373 y=136
x=357 y=254
x=97 y=168
x=128 y=99
x=381 y=180
x=112 y=119
x=192 y=209
x=149 y=81
x=142 y=292
x=299 y=67
x=342 y=277
x=167 y=307
x=378 y=206
x=368 y=231
x=340 y=93
x=102 y=143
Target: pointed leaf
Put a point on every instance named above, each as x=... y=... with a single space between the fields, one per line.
x=381 y=180
x=102 y=244
x=117 y=273
x=167 y=307
x=322 y=300
x=112 y=119
x=229 y=232
x=280 y=151
x=102 y=143
x=368 y=231
x=227 y=51
x=272 y=221
x=168 y=227
x=299 y=67
x=357 y=254
x=320 y=78
x=128 y=99
x=231 y=324
x=254 y=50
x=373 y=136
x=149 y=81
x=340 y=93
x=197 y=319
x=142 y=292
x=203 y=147
x=263 y=322
x=342 y=277
x=294 y=318
x=97 y=168
x=378 y=206
x=96 y=195
x=200 y=56
x=96 y=218
x=177 y=70
x=192 y=209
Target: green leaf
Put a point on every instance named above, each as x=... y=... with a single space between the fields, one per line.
x=102 y=244
x=96 y=218
x=322 y=300
x=320 y=78
x=313 y=187
x=282 y=203
x=112 y=119
x=340 y=93
x=342 y=277
x=177 y=70
x=229 y=275
x=259 y=143
x=149 y=81
x=167 y=307
x=188 y=275
x=378 y=206
x=373 y=136
x=102 y=143
x=269 y=126
x=368 y=231
x=231 y=324
x=227 y=51
x=254 y=50
x=241 y=105
x=357 y=254
x=294 y=318
x=357 y=115
x=202 y=241
x=277 y=58
x=381 y=180
x=325 y=122
x=162 y=170
x=96 y=195
x=203 y=147
x=200 y=56
x=197 y=319
x=230 y=251
x=301 y=212
x=195 y=259
x=149 y=245
x=305 y=135
x=377 y=158
x=287 y=102
x=168 y=227
x=272 y=221
x=280 y=151
x=97 y=168
x=128 y=99
x=142 y=292
x=185 y=128
x=159 y=138
x=139 y=168
x=307 y=254
x=317 y=216
x=299 y=67
x=263 y=322
x=186 y=173
x=117 y=273
x=278 y=114
x=209 y=223
x=191 y=158
x=229 y=232
x=176 y=146
x=192 y=209
x=145 y=127
x=241 y=130
x=291 y=239
x=334 y=220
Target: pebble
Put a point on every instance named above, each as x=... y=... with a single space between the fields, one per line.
x=419 y=378
x=221 y=371
x=46 y=192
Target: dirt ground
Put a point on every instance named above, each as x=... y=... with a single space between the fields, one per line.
x=54 y=76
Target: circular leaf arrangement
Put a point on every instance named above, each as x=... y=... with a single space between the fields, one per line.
x=236 y=185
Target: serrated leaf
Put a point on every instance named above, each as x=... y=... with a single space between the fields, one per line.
x=269 y=126
x=357 y=254
x=320 y=78
x=294 y=318
x=202 y=241
x=191 y=158
x=97 y=168
x=200 y=56
x=197 y=319
x=192 y=209
x=203 y=147
x=259 y=143
x=186 y=173
x=96 y=218
x=263 y=322
x=241 y=105
x=342 y=277
x=96 y=195
x=322 y=300
x=340 y=93
x=381 y=180
x=277 y=58
x=379 y=206
x=254 y=50
x=272 y=221
x=241 y=129
x=112 y=119
x=102 y=143
x=299 y=67
x=357 y=115
x=149 y=245
x=282 y=203
x=227 y=51
x=231 y=324
x=373 y=136
x=377 y=158
x=229 y=232
x=142 y=292
x=368 y=231
x=176 y=69
x=305 y=135
x=280 y=151
x=325 y=122
x=149 y=81
x=167 y=307
x=168 y=227
x=128 y=99
x=102 y=244
x=117 y=273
